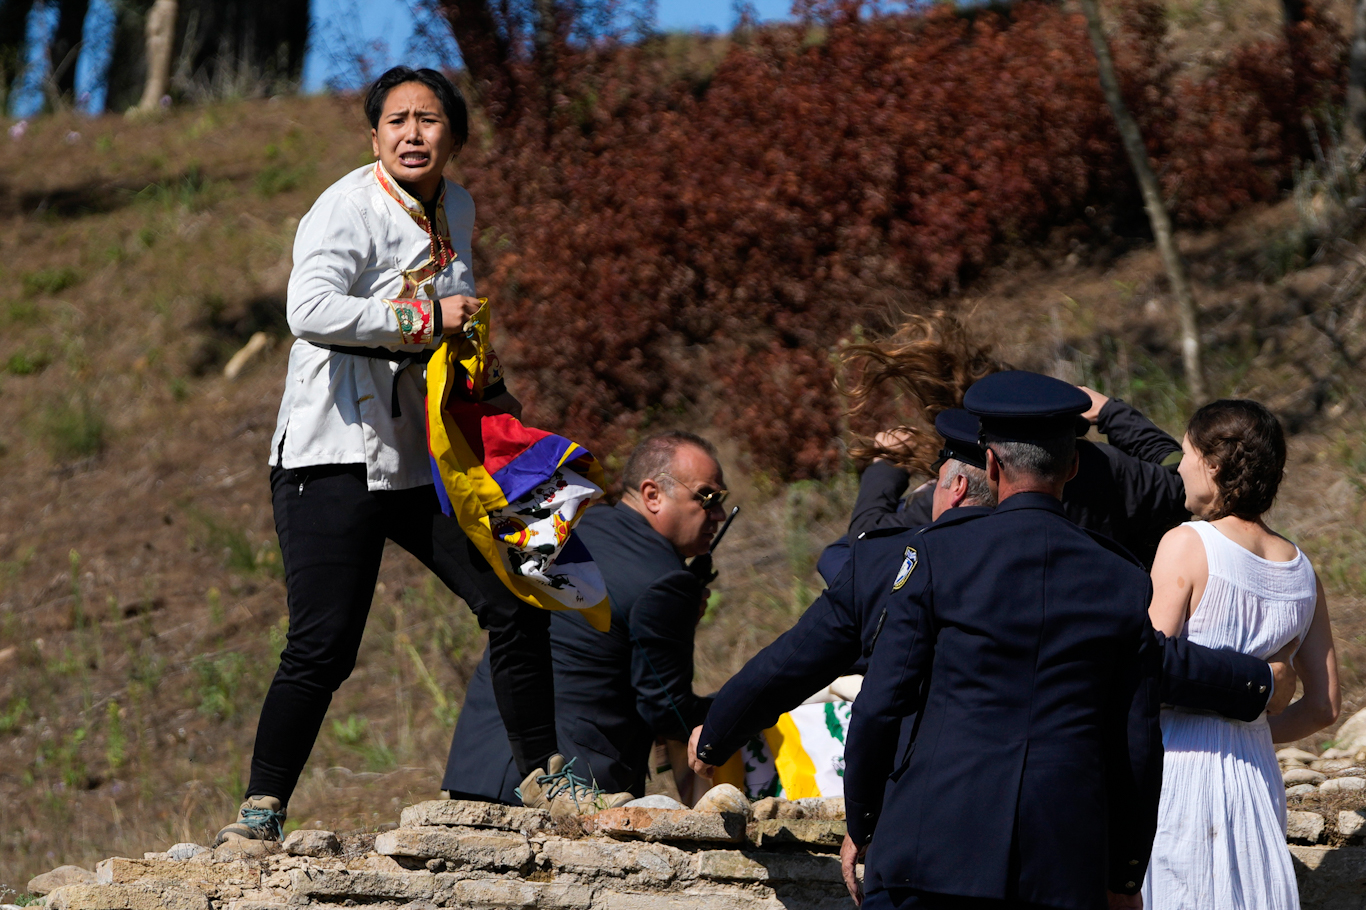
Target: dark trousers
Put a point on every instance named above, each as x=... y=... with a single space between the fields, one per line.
x=908 y=898
x=332 y=531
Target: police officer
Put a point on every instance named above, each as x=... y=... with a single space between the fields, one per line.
x=1127 y=490
x=1021 y=643
x=835 y=634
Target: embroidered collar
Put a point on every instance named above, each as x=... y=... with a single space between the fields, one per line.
x=442 y=252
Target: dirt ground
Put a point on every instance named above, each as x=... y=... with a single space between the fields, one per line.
x=141 y=602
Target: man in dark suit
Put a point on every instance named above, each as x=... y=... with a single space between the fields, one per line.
x=1021 y=643
x=615 y=692
x=835 y=634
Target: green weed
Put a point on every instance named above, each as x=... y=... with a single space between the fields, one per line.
x=192 y=191
x=239 y=553
x=278 y=178
x=278 y=635
x=351 y=731
x=116 y=744
x=26 y=363
x=220 y=681
x=73 y=430
x=49 y=281
x=12 y=718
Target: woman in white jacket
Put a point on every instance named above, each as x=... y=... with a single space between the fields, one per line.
x=381 y=268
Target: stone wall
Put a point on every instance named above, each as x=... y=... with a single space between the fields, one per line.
x=477 y=855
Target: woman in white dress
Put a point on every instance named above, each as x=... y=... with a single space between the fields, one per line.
x=1229 y=581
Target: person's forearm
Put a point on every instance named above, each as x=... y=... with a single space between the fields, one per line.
x=1303 y=718
x=1130 y=431
x=879 y=493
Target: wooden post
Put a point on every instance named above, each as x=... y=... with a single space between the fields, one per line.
x=160 y=45
x=1153 y=204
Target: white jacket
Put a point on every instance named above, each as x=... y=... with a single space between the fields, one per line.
x=364 y=275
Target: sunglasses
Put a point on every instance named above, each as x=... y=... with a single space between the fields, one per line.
x=713 y=499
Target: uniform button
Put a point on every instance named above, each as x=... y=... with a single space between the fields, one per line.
x=1133 y=862
x=1249 y=684
x=1261 y=689
x=1130 y=885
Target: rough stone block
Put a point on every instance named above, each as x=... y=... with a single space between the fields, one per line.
x=1303 y=776
x=1331 y=878
x=1342 y=784
x=311 y=842
x=484 y=848
x=246 y=904
x=467 y=813
x=60 y=878
x=1305 y=827
x=185 y=851
x=510 y=894
x=593 y=856
x=1330 y=765
x=667 y=825
x=732 y=865
x=126 y=897
x=364 y=886
x=807 y=831
x=1299 y=790
x=1295 y=755
x=686 y=900
x=727 y=800
x=205 y=876
x=1351 y=823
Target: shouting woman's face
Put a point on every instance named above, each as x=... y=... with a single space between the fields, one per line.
x=413 y=140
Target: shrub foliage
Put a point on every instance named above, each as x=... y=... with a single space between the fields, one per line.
x=661 y=244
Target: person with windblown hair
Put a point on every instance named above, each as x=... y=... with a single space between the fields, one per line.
x=1228 y=581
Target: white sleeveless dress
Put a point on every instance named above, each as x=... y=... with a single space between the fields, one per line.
x=1220 y=841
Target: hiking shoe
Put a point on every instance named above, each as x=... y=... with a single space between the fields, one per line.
x=559 y=789
x=259 y=818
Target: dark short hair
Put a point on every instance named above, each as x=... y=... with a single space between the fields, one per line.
x=1244 y=443
x=1046 y=459
x=452 y=102
x=654 y=456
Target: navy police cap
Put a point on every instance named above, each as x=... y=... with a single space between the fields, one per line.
x=961 y=432
x=1019 y=405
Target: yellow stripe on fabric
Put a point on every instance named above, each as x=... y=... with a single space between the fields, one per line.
x=469 y=487
x=732 y=772
x=795 y=768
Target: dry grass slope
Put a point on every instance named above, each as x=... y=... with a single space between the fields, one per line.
x=141 y=606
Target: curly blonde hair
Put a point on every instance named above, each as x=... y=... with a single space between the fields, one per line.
x=930 y=361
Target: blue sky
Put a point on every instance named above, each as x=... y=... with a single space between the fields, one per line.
x=382 y=32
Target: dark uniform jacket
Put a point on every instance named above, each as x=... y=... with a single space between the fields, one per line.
x=614 y=691
x=1022 y=645
x=1121 y=490
x=835 y=634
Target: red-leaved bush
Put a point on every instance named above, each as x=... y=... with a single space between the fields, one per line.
x=657 y=246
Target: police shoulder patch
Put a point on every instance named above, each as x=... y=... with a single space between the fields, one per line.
x=908 y=565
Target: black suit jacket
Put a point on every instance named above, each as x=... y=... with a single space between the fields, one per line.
x=615 y=691
x=1022 y=643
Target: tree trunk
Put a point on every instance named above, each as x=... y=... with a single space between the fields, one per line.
x=1356 y=83
x=1152 y=203
x=13 y=28
x=160 y=45
x=487 y=53
x=66 y=47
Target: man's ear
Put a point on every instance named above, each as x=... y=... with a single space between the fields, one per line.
x=993 y=468
x=1076 y=463
x=651 y=494
x=959 y=490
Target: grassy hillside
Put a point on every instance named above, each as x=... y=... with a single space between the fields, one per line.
x=141 y=604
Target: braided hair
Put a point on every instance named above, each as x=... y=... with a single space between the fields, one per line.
x=1244 y=443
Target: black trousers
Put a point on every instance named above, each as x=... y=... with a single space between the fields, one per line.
x=907 y=899
x=332 y=531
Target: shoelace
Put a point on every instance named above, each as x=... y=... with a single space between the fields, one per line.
x=566 y=779
x=264 y=821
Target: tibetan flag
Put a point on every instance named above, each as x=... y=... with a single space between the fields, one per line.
x=516 y=491
x=801 y=756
